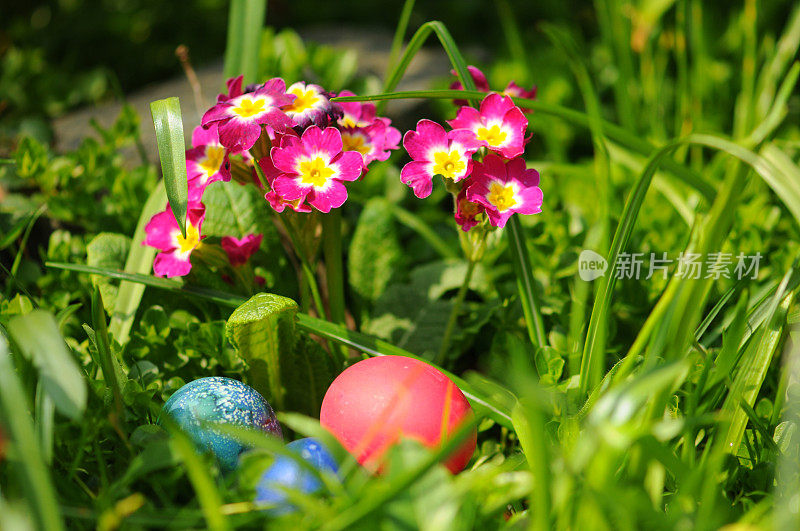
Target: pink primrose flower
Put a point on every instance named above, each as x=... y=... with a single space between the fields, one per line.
x=163 y=233
x=436 y=152
x=504 y=189
x=240 y=251
x=311 y=105
x=467 y=212
x=499 y=125
x=478 y=77
x=315 y=167
x=206 y=162
x=240 y=118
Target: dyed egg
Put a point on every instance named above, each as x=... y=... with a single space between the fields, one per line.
x=378 y=401
x=286 y=473
x=221 y=400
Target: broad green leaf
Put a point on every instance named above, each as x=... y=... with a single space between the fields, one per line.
x=139 y=260
x=168 y=123
x=37 y=336
x=37 y=485
x=107 y=250
x=375 y=253
x=232 y=210
x=263 y=331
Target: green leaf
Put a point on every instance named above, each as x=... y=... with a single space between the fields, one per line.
x=263 y=331
x=40 y=495
x=245 y=24
x=526 y=284
x=167 y=120
x=375 y=253
x=111 y=365
x=755 y=361
x=37 y=336
x=139 y=260
x=107 y=250
x=232 y=210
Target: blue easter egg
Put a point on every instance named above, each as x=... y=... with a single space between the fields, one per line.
x=287 y=473
x=221 y=400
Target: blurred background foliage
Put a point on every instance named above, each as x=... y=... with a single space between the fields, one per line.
x=60 y=54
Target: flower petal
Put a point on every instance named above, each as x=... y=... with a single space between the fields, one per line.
x=332 y=196
x=418 y=176
x=172 y=264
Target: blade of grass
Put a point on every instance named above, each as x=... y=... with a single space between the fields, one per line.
x=526 y=284
x=514 y=41
x=399 y=34
x=23 y=244
x=39 y=340
x=614 y=132
x=112 y=371
x=754 y=364
x=220 y=297
x=332 y=250
x=168 y=124
x=245 y=23
x=414 y=45
x=37 y=484
x=602 y=165
x=140 y=260
x=378 y=497
x=208 y=495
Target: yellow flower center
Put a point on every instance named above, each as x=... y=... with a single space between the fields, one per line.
x=347 y=121
x=305 y=100
x=248 y=108
x=315 y=172
x=448 y=165
x=493 y=136
x=355 y=143
x=191 y=241
x=213 y=160
x=502 y=197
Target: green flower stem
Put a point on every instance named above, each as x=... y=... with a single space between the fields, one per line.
x=332 y=250
x=305 y=265
x=451 y=321
x=261 y=177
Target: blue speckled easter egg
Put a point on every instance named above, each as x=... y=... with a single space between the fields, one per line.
x=287 y=473
x=222 y=400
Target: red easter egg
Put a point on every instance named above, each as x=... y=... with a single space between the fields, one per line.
x=378 y=401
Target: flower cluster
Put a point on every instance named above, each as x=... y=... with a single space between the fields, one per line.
x=496 y=185
x=293 y=142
